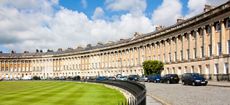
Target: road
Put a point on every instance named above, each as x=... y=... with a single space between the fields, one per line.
x=177 y=94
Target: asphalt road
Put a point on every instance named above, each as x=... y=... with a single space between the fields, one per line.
x=177 y=94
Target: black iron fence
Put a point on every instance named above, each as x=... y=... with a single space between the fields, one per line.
x=222 y=77
x=136 y=89
x=217 y=77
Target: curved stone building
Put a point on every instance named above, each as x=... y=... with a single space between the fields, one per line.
x=199 y=44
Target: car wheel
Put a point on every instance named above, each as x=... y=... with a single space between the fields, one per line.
x=168 y=82
x=183 y=83
x=193 y=83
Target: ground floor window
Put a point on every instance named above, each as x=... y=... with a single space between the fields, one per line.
x=216 y=68
x=226 y=68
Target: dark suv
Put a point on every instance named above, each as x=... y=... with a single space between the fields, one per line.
x=133 y=77
x=193 y=79
x=170 y=78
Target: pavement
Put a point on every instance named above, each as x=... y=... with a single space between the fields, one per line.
x=219 y=83
x=151 y=99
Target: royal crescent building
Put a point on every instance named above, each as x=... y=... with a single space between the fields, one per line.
x=200 y=44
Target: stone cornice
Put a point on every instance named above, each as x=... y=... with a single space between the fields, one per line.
x=136 y=41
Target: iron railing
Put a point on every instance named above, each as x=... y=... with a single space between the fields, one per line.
x=136 y=89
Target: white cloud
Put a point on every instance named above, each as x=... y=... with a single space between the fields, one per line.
x=98 y=13
x=25 y=26
x=196 y=7
x=84 y=3
x=167 y=13
x=22 y=30
x=133 y=6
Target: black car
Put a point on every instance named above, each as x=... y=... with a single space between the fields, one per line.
x=193 y=79
x=101 y=78
x=133 y=77
x=154 y=78
x=170 y=78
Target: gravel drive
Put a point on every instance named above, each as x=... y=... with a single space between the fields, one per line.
x=177 y=94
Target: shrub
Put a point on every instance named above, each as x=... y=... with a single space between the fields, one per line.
x=36 y=78
x=76 y=78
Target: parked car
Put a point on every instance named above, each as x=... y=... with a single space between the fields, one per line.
x=170 y=78
x=193 y=79
x=122 y=78
x=154 y=78
x=111 y=78
x=101 y=78
x=143 y=78
x=133 y=77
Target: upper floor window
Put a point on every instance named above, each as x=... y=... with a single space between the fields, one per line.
x=188 y=54
x=219 y=48
x=228 y=23
x=175 y=56
x=209 y=29
x=228 y=46
x=217 y=26
x=195 y=55
x=210 y=49
x=170 y=59
x=202 y=51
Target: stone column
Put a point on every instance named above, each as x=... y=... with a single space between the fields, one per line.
x=223 y=38
x=173 y=50
x=161 y=51
x=205 y=39
x=190 y=46
x=139 y=60
x=184 y=46
x=153 y=51
x=170 y=50
x=213 y=40
x=8 y=64
x=167 y=50
x=178 y=48
x=198 y=43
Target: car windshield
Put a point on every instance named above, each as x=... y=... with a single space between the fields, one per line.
x=196 y=75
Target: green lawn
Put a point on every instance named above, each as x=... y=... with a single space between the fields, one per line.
x=57 y=93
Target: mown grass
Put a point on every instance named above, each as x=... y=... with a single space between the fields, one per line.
x=57 y=93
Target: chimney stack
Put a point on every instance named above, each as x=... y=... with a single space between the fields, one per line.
x=207 y=7
x=180 y=20
x=159 y=27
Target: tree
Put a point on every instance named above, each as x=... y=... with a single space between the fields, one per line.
x=152 y=67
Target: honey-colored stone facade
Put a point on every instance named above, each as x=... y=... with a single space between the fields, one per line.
x=200 y=44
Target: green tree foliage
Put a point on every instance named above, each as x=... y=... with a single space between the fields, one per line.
x=152 y=67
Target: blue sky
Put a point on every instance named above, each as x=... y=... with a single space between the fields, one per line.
x=53 y=24
x=76 y=5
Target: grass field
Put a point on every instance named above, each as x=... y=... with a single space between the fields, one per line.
x=57 y=93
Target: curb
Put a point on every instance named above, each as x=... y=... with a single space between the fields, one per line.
x=159 y=100
x=218 y=85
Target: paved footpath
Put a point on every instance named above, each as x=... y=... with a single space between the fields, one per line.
x=151 y=101
x=216 y=93
x=219 y=84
